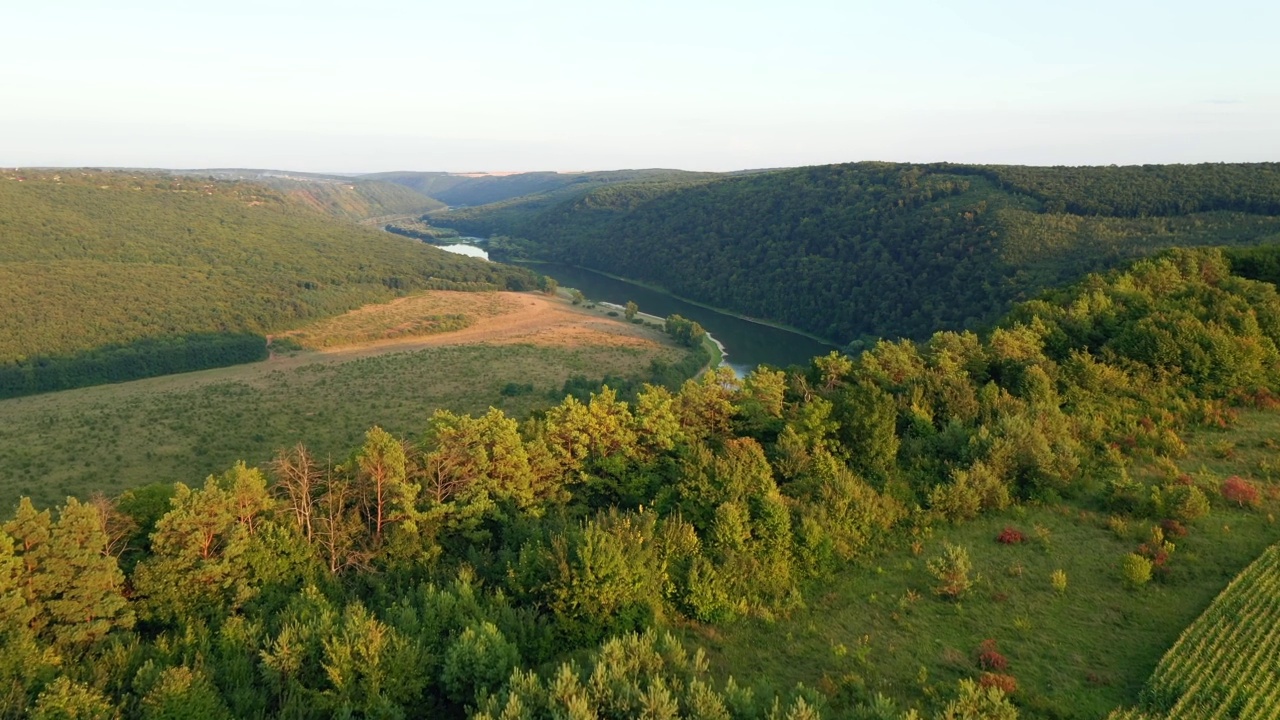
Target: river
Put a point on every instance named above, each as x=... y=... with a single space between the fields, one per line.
x=746 y=343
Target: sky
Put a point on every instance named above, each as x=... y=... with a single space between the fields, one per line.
x=489 y=85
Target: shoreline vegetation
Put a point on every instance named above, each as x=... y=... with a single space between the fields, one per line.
x=663 y=291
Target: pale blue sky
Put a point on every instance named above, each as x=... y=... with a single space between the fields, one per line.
x=369 y=85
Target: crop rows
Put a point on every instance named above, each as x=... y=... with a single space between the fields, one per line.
x=1224 y=665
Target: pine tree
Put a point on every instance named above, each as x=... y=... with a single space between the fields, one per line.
x=81 y=582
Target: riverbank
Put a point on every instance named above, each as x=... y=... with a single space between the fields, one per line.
x=663 y=291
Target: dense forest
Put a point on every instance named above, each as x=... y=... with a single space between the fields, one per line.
x=463 y=190
x=94 y=261
x=859 y=251
x=347 y=197
x=499 y=569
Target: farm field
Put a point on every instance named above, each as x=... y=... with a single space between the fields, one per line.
x=1074 y=654
x=184 y=427
x=1223 y=665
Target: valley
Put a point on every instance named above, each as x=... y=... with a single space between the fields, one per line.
x=487 y=485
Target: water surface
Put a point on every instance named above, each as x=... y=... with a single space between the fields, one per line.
x=746 y=343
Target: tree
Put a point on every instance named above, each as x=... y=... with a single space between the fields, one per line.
x=180 y=692
x=66 y=699
x=81 y=582
x=30 y=530
x=951 y=569
x=477 y=663
x=386 y=496
x=632 y=309
x=298 y=481
x=372 y=669
x=201 y=549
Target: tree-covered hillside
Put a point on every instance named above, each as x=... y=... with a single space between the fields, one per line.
x=878 y=249
x=472 y=190
x=488 y=568
x=358 y=199
x=352 y=198
x=95 y=261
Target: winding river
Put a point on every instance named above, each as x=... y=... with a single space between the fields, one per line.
x=746 y=343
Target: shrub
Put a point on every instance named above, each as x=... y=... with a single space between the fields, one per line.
x=1243 y=493
x=1042 y=535
x=1190 y=504
x=952 y=569
x=1011 y=536
x=1118 y=526
x=1058 y=579
x=989 y=657
x=512 y=389
x=1007 y=684
x=1137 y=570
x=1173 y=528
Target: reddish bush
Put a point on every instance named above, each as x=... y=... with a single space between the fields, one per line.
x=989 y=658
x=1173 y=528
x=1240 y=491
x=1157 y=555
x=1007 y=683
x=1011 y=536
x=1184 y=479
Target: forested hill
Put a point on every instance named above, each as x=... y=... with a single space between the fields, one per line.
x=344 y=197
x=357 y=200
x=470 y=190
x=881 y=249
x=96 y=260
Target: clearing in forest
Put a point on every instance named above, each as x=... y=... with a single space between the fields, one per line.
x=460 y=318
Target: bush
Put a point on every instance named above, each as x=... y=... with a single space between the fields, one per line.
x=1058 y=579
x=1191 y=505
x=1007 y=684
x=952 y=569
x=989 y=657
x=1137 y=570
x=1011 y=536
x=512 y=389
x=1243 y=493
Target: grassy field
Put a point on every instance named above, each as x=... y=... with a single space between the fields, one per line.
x=1076 y=654
x=414 y=316
x=183 y=427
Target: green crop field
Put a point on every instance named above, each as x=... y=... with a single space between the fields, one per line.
x=1223 y=665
